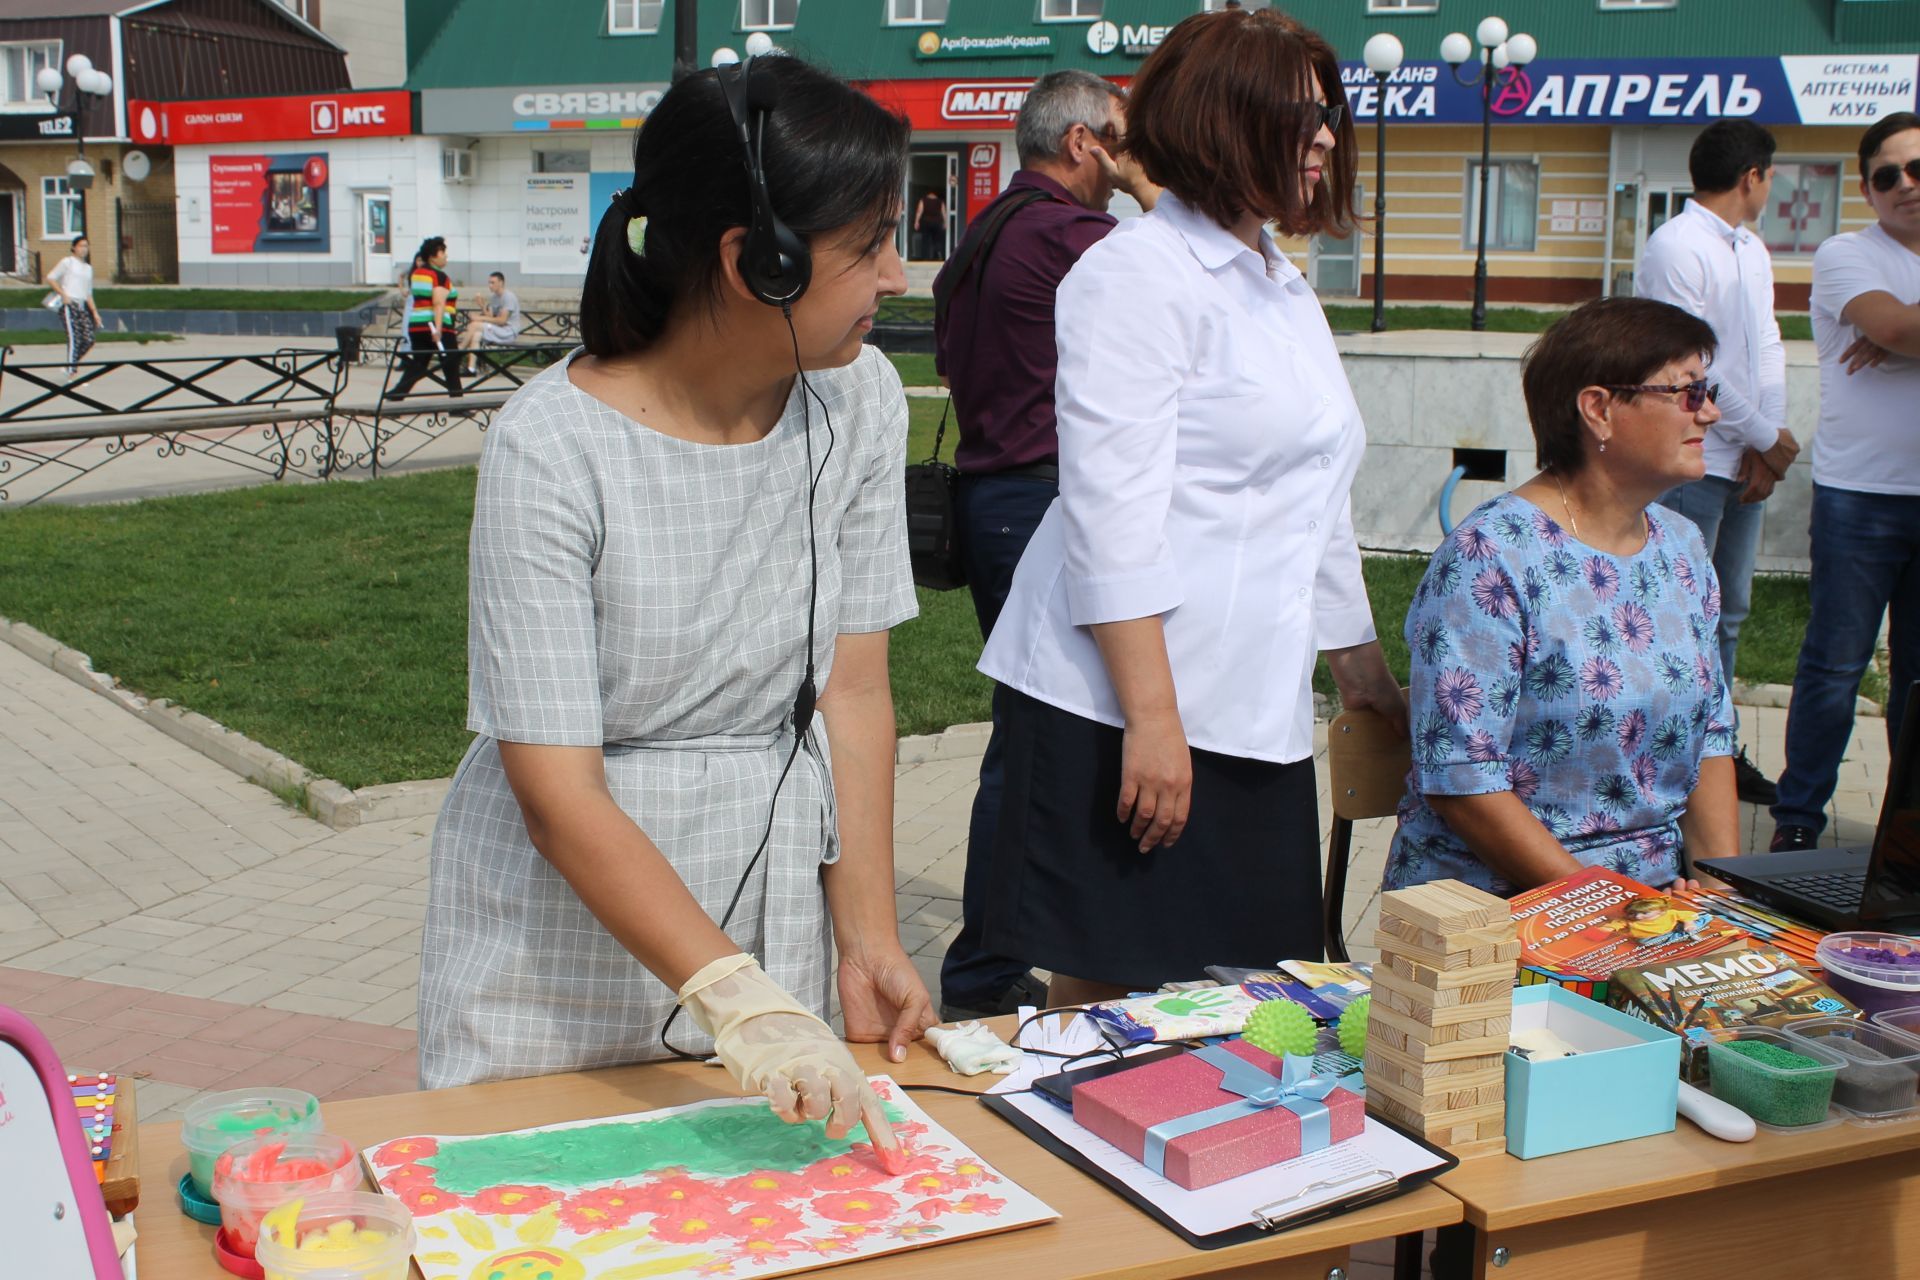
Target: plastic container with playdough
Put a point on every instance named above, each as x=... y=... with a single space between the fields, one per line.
x=1881 y=1080
x=219 y=1120
x=1877 y=971
x=342 y=1235
x=262 y=1174
x=1781 y=1081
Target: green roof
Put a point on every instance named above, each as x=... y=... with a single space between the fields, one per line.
x=475 y=43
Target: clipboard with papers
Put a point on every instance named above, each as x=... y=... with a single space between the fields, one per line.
x=1383 y=1162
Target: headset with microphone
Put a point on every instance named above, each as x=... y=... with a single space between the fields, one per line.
x=776 y=265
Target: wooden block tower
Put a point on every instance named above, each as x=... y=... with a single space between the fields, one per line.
x=1442 y=1008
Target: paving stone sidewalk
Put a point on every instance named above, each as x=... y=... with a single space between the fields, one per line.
x=162 y=918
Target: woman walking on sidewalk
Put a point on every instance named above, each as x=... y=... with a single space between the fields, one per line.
x=72 y=279
x=430 y=320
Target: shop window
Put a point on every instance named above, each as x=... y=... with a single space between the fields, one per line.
x=769 y=15
x=1209 y=6
x=59 y=210
x=19 y=64
x=1514 y=217
x=1803 y=208
x=1070 y=10
x=563 y=162
x=1403 y=6
x=1639 y=4
x=634 y=17
x=916 y=13
x=306 y=10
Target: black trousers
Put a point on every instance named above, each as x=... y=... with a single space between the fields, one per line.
x=420 y=359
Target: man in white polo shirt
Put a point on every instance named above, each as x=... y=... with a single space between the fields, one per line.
x=1705 y=261
x=1866 y=476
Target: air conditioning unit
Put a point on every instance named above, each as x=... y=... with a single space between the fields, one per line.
x=456 y=165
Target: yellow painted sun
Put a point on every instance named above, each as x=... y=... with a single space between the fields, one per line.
x=530 y=1254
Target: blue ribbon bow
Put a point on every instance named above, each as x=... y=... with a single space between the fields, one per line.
x=1296 y=1088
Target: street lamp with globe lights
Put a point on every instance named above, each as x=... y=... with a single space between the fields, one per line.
x=1383 y=56
x=1501 y=58
x=91 y=82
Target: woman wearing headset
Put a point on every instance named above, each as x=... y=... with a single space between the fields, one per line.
x=641 y=594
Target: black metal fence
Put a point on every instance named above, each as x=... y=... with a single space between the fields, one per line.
x=149 y=245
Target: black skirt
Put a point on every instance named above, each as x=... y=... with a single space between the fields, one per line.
x=1072 y=893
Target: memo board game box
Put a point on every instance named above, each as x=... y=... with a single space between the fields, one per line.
x=1735 y=987
x=1579 y=931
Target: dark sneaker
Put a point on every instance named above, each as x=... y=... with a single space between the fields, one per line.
x=1791 y=839
x=1753 y=786
x=1027 y=989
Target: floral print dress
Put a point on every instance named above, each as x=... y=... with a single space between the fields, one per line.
x=1587 y=684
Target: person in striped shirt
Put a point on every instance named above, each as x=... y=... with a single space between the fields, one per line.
x=430 y=320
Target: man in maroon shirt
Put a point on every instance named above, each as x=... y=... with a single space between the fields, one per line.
x=995 y=349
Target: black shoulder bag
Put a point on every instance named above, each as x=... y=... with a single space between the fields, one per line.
x=933 y=524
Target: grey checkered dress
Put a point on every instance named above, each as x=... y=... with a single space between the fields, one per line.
x=648 y=596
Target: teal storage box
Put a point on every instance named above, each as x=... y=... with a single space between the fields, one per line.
x=1622 y=1082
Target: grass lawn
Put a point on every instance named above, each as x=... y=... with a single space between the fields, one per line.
x=354 y=662
x=55 y=338
x=176 y=299
x=916 y=370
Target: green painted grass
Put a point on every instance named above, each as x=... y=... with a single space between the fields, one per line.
x=353 y=661
x=178 y=299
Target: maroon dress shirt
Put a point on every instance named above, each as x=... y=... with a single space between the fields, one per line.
x=996 y=348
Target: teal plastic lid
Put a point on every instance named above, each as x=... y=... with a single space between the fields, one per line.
x=195 y=1205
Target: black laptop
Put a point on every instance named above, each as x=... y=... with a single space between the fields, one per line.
x=1850 y=888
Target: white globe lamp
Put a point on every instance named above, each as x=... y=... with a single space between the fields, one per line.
x=1383 y=54
x=1522 y=49
x=1492 y=32
x=724 y=57
x=759 y=45
x=1456 y=49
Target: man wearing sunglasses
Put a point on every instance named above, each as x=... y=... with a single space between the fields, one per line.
x=1866 y=476
x=1707 y=262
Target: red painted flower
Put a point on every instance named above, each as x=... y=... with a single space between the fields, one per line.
x=407 y=1175
x=844 y=1173
x=916 y=1231
x=764 y=1221
x=855 y=1206
x=767 y=1184
x=761 y=1252
x=833 y=1244
x=679 y=1194
x=931 y=1209
x=513 y=1198
x=606 y=1209
x=908 y=1162
x=405 y=1151
x=980 y=1204
x=932 y=1183
x=691 y=1224
x=967 y=1172
x=424 y=1200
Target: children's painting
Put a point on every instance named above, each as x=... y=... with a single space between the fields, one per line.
x=720 y=1188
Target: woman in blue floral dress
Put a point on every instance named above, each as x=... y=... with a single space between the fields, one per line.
x=1569 y=709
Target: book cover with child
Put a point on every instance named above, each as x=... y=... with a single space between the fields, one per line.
x=1584 y=928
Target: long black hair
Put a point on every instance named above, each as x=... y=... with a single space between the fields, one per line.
x=834 y=159
x=428 y=247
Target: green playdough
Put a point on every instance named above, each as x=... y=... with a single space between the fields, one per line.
x=713 y=1142
x=1764 y=1091
x=255 y=1119
x=1353 y=1027
x=1280 y=1027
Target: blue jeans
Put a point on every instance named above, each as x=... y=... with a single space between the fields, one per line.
x=1866 y=559
x=997 y=515
x=1731 y=529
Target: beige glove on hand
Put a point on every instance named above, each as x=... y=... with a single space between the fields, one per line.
x=773 y=1046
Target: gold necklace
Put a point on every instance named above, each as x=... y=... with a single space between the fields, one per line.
x=1565 y=505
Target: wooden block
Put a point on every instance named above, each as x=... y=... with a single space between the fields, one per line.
x=120 y=1184
x=1484 y=1094
x=1419 y=974
x=1435 y=951
x=1493 y=1129
x=1432 y=908
x=1379 y=1033
x=1430 y=1044
x=1424 y=1069
x=1478 y=1147
x=1437 y=1008
x=1462 y=1133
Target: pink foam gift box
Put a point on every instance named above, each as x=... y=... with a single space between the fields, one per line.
x=1121 y=1108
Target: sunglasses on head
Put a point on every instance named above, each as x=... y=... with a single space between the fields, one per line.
x=1693 y=394
x=1887 y=176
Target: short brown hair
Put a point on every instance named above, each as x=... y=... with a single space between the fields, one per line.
x=1607 y=342
x=1222 y=112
